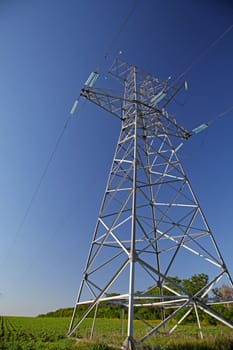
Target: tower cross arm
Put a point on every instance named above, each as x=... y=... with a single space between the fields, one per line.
x=110 y=103
x=115 y=105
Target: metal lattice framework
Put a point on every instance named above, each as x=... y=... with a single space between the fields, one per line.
x=150 y=222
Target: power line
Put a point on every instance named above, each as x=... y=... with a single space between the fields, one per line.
x=59 y=139
x=120 y=30
x=205 y=127
x=211 y=121
x=204 y=53
x=222 y=114
x=38 y=186
x=117 y=34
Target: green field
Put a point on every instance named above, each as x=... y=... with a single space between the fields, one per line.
x=28 y=333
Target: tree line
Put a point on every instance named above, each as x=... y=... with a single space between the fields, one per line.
x=191 y=285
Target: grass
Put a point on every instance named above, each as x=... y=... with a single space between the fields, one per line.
x=28 y=333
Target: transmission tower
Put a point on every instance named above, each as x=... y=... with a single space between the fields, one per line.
x=150 y=225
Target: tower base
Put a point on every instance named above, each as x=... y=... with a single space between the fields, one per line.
x=129 y=344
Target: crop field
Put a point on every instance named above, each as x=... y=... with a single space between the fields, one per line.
x=28 y=333
x=24 y=333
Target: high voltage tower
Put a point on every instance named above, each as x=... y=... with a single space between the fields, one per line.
x=150 y=223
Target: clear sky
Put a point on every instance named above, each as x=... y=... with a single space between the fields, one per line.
x=47 y=50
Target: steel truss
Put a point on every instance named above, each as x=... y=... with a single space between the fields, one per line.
x=150 y=223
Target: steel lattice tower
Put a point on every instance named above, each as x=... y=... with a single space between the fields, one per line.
x=150 y=221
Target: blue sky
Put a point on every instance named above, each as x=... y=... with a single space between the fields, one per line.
x=48 y=49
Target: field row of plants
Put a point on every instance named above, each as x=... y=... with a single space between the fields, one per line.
x=28 y=333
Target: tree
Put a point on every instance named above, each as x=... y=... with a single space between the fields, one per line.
x=195 y=283
x=224 y=292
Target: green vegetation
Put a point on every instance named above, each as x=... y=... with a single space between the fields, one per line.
x=191 y=285
x=28 y=333
x=48 y=332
